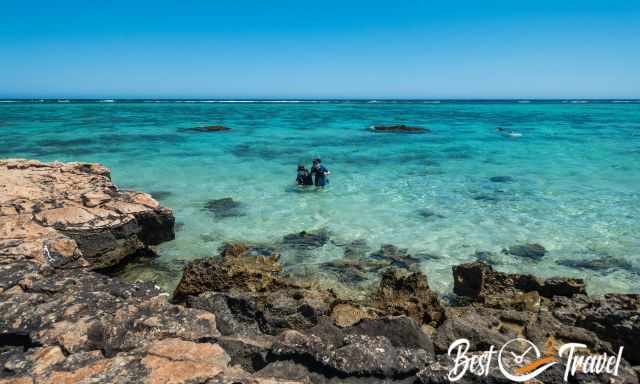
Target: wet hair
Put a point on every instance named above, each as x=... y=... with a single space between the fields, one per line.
x=317 y=160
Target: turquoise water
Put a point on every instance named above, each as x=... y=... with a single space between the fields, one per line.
x=575 y=170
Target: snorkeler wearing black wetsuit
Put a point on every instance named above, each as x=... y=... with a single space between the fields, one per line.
x=304 y=176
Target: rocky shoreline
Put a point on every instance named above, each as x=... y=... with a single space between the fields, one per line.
x=237 y=317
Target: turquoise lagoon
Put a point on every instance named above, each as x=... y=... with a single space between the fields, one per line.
x=575 y=177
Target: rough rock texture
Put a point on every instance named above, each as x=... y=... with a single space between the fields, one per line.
x=401 y=128
x=480 y=282
x=247 y=322
x=614 y=318
x=71 y=215
x=235 y=270
x=409 y=294
x=60 y=324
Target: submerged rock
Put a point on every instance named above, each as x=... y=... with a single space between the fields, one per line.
x=599 y=264
x=209 y=128
x=501 y=179
x=486 y=257
x=531 y=251
x=401 y=128
x=429 y=214
x=225 y=207
x=306 y=240
x=71 y=215
x=390 y=255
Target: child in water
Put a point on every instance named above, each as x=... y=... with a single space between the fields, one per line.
x=304 y=176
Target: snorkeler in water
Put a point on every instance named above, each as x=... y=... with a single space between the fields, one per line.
x=304 y=176
x=508 y=133
x=320 y=173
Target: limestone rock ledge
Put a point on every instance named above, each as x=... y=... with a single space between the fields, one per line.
x=61 y=322
x=69 y=215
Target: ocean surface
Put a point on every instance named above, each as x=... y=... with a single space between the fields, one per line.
x=572 y=178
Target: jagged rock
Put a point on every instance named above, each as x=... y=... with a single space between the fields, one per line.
x=306 y=240
x=483 y=284
x=401 y=128
x=614 y=318
x=531 y=251
x=232 y=273
x=350 y=354
x=348 y=314
x=209 y=128
x=71 y=215
x=84 y=311
x=223 y=208
x=401 y=293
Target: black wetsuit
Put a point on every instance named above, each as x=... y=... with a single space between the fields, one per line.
x=304 y=178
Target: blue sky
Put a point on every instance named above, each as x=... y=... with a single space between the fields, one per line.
x=315 y=49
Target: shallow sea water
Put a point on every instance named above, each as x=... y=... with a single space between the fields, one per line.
x=575 y=171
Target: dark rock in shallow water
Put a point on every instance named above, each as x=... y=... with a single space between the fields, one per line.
x=429 y=214
x=599 y=264
x=393 y=256
x=486 y=198
x=356 y=249
x=501 y=179
x=532 y=251
x=486 y=257
x=306 y=240
x=398 y=129
x=161 y=194
x=225 y=207
x=483 y=284
x=210 y=128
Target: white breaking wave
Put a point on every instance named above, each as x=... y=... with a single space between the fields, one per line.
x=107 y=101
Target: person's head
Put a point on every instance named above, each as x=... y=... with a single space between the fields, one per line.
x=301 y=168
x=316 y=162
x=499 y=129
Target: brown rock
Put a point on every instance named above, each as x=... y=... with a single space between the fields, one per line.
x=71 y=215
x=483 y=284
x=402 y=293
x=229 y=273
x=177 y=361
